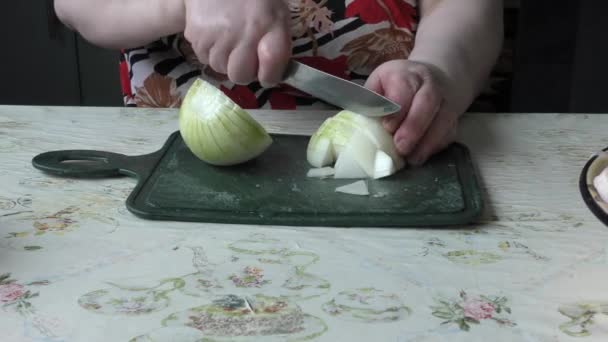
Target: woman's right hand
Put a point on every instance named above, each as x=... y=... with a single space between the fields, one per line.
x=246 y=40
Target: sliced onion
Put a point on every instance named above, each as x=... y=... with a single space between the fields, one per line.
x=347 y=166
x=374 y=130
x=321 y=153
x=383 y=165
x=357 y=158
x=322 y=172
x=217 y=130
x=359 y=147
x=356 y=188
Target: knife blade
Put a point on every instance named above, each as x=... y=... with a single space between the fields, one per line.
x=337 y=91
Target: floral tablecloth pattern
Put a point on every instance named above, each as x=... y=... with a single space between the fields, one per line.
x=75 y=265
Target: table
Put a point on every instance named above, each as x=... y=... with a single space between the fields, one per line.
x=77 y=266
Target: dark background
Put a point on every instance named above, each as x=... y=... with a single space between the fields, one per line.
x=555 y=57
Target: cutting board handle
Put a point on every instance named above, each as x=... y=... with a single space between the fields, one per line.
x=89 y=163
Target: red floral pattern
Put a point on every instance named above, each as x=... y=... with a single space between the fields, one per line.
x=280 y=100
x=241 y=95
x=468 y=310
x=160 y=77
x=478 y=309
x=397 y=12
x=10 y=292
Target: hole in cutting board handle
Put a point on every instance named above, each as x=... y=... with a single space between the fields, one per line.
x=80 y=163
x=85 y=161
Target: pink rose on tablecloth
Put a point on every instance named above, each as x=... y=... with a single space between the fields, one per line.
x=10 y=292
x=478 y=309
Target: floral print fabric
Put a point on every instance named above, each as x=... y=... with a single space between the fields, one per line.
x=347 y=38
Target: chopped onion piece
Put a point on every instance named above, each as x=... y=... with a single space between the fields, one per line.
x=321 y=154
x=321 y=172
x=373 y=128
x=357 y=160
x=347 y=166
x=383 y=165
x=356 y=146
x=356 y=188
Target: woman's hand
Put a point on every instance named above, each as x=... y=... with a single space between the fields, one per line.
x=457 y=44
x=247 y=40
x=426 y=123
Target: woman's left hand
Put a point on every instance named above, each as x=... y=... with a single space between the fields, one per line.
x=426 y=123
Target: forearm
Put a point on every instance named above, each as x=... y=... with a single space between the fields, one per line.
x=461 y=38
x=119 y=24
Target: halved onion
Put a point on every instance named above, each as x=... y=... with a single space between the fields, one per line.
x=356 y=146
x=217 y=130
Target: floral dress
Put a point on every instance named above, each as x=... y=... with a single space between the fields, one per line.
x=346 y=38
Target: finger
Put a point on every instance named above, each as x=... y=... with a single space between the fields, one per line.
x=243 y=63
x=201 y=50
x=425 y=105
x=374 y=83
x=402 y=92
x=441 y=133
x=219 y=54
x=274 y=51
x=201 y=44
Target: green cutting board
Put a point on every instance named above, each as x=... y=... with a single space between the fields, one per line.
x=274 y=190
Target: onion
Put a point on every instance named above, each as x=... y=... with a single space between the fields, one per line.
x=383 y=165
x=217 y=130
x=600 y=182
x=357 y=147
x=321 y=172
x=347 y=166
x=357 y=158
x=321 y=152
x=356 y=188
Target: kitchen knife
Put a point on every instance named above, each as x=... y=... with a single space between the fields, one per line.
x=337 y=91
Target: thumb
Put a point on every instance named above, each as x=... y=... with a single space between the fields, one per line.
x=399 y=89
x=374 y=83
x=274 y=51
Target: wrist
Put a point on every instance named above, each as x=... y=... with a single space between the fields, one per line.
x=453 y=76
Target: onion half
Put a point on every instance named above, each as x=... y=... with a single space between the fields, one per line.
x=217 y=130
